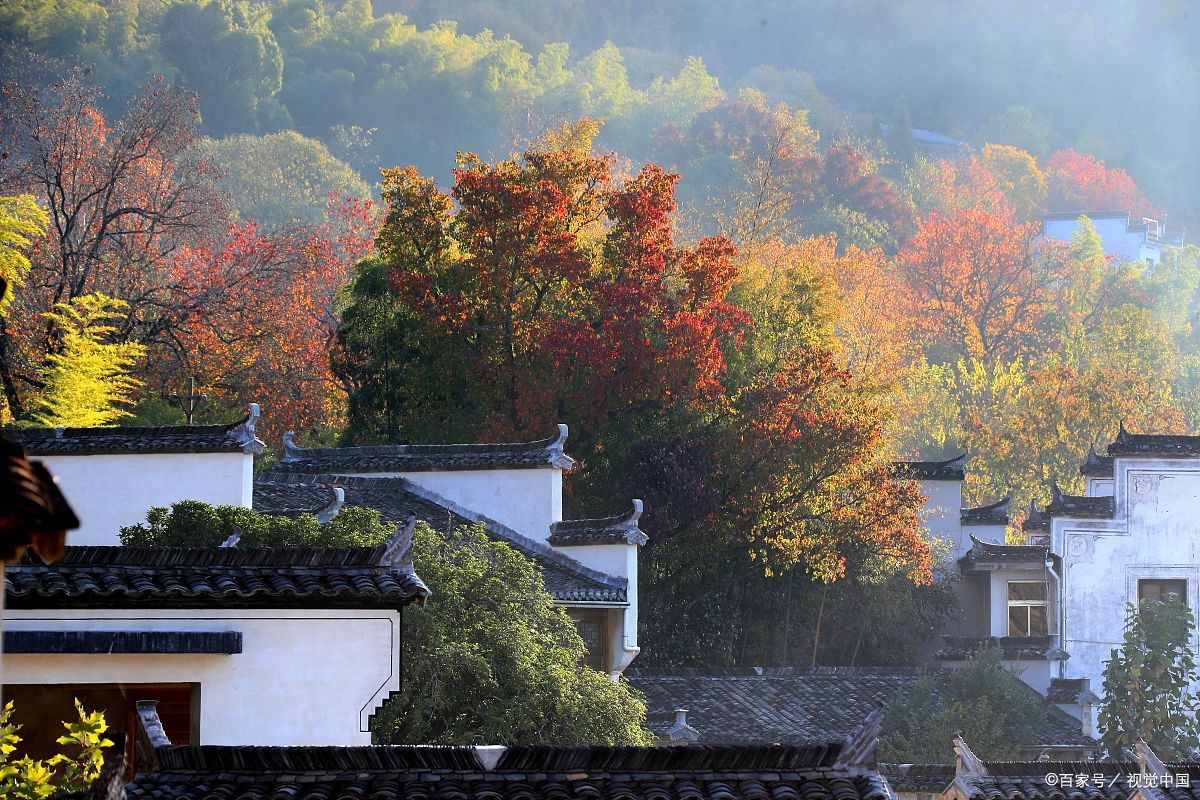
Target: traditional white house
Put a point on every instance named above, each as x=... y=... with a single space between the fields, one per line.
x=219 y=635
x=114 y=475
x=1057 y=603
x=514 y=490
x=1127 y=240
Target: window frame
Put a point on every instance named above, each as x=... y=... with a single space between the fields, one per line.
x=1027 y=605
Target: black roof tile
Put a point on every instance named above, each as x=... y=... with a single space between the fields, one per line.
x=809 y=772
x=398 y=499
x=993 y=514
x=932 y=778
x=234 y=437
x=952 y=469
x=423 y=457
x=1080 y=507
x=757 y=705
x=1147 y=444
x=621 y=528
x=206 y=577
x=1026 y=780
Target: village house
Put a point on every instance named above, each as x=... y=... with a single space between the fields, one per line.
x=1126 y=240
x=1056 y=604
x=513 y=490
x=205 y=630
x=217 y=634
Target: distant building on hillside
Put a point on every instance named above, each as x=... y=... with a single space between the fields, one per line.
x=1121 y=237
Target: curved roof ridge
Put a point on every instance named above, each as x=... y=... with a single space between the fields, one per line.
x=401 y=457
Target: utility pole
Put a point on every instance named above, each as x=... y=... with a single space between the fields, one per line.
x=188 y=402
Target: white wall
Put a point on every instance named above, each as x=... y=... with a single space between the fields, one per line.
x=304 y=677
x=1155 y=535
x=622 y=562
x=941 y=515
x=1115 y=236
x=108 y=491
x=526 y=500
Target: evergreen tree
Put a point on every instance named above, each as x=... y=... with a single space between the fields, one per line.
x=1147 y=683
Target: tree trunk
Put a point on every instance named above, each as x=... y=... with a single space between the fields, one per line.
x=817 y=632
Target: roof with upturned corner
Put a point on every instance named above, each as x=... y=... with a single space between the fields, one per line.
x=233 y=437
x=547 y=453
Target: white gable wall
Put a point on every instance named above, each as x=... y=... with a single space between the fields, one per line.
x=315 y=676
x=941 y=515
x=1155 y=534
x=109 y=491
x=526 y=500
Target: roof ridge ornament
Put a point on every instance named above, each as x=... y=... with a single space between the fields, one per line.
x=244 y=433
x=966 y=763
x=557 y=450
x=335 y=505
x=233 y=539
x=858 y=749
x=398 y=548
x=489 y=755
x=291 y=450
x=1148 y=762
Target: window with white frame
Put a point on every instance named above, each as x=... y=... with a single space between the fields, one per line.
x=1028 y=609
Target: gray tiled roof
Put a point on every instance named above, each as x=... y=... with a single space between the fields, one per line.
x=546 y=452
x=994 y=514
x=234 y=437
x=1147 y=444
x=621 y=528
x=398 y=499
x=809 y=772
x=1080 y=507
x=209 y=577
x=1066 y=690
x=988 y=555
x=754 y=706
x=952 y=469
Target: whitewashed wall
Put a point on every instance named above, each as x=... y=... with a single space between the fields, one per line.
x=304 y=677
x=1156 y=534
x=941 y=515
x=108 y=491
x=526 y=500
x=1115 y=237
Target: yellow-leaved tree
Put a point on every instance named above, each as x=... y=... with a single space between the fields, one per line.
x=21 y=219
x=88 y=381
x=27 y=779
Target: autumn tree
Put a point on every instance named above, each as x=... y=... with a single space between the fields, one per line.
x=983 y=285
x=120 y=200
x=89 y=380
x=542 y=290
x=22 y=221
x=1079 y=182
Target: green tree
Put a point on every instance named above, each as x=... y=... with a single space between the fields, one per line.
x=191 y=523
x=89 y=380
x=225 y=53
x=282 y=178
x=21 y=220
x=1147 y=683
x=493 y=660
x=27 y=779
x=984 y=700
